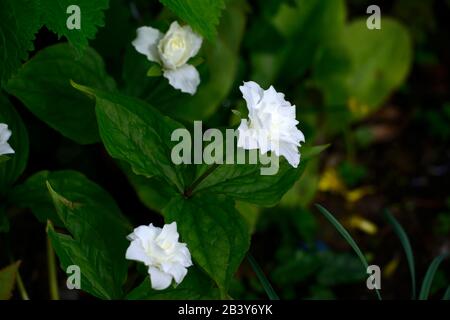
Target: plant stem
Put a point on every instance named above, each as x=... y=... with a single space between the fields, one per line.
x=52 y=274
x=21 y=287
x=188 y=192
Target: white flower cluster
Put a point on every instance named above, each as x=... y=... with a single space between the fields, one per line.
x=172 y=51
x=272 y=125
x=159 y=249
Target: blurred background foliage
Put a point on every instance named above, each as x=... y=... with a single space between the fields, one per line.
x=379 y=97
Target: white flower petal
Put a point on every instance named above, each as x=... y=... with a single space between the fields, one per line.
x=194 y=39
x=185 y=78
x=147 y=41
x=168 y=233
x=178 y=272
x=184 y=255
x=5 y=134
x=291 y=154
x=137 y=253
x=246 y=139
x=159 y=279
x=252 y=93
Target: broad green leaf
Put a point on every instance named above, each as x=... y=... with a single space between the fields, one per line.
x=244 y=182
x=55 y=17
x=7 y=280
x=97 y=243
x=43 y=85
x=216 y=234
x=429 y=276
x=202 y=15
x=19 y=22
x=135 y=132
x=33 y=194
x=344 y=233
x=306 y=26
x=401 y=234
x=364 y=66
x=195 y=286
x=11 y=169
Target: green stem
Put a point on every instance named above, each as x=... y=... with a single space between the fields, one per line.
x=188 y=192
x=52 y=274
x=21 y=287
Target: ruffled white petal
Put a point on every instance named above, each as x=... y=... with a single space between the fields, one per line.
x=5 y=134
x=185 y=78
x=137 y=253
x=178 y=272
x=147 y=41
x=291 y=153
x=159 y=279
x=194 y=39
x=252 y=93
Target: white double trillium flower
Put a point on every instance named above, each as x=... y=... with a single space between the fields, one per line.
x=172 y=51
x=272 y=125
x=160 y=250
x=5 y=134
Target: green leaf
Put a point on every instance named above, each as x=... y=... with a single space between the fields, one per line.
x=344 y=233
x=364 y=65
x=8 y=280
x=135 y=132
x=216 y=234
x=19 y=22
x=429 y=276
x=55 y=17
x=401 y=234
x=98 y=236
x=244 y=182
x=11 y=170
x=202 y=15
x=196 y=286
x=33 y=193
x=43 y=85
x=262 y=278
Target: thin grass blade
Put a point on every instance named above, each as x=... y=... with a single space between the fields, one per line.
x=262 y=278
x=404 y=240
x=344 y=233
x=446 y=294
x=429 y=276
